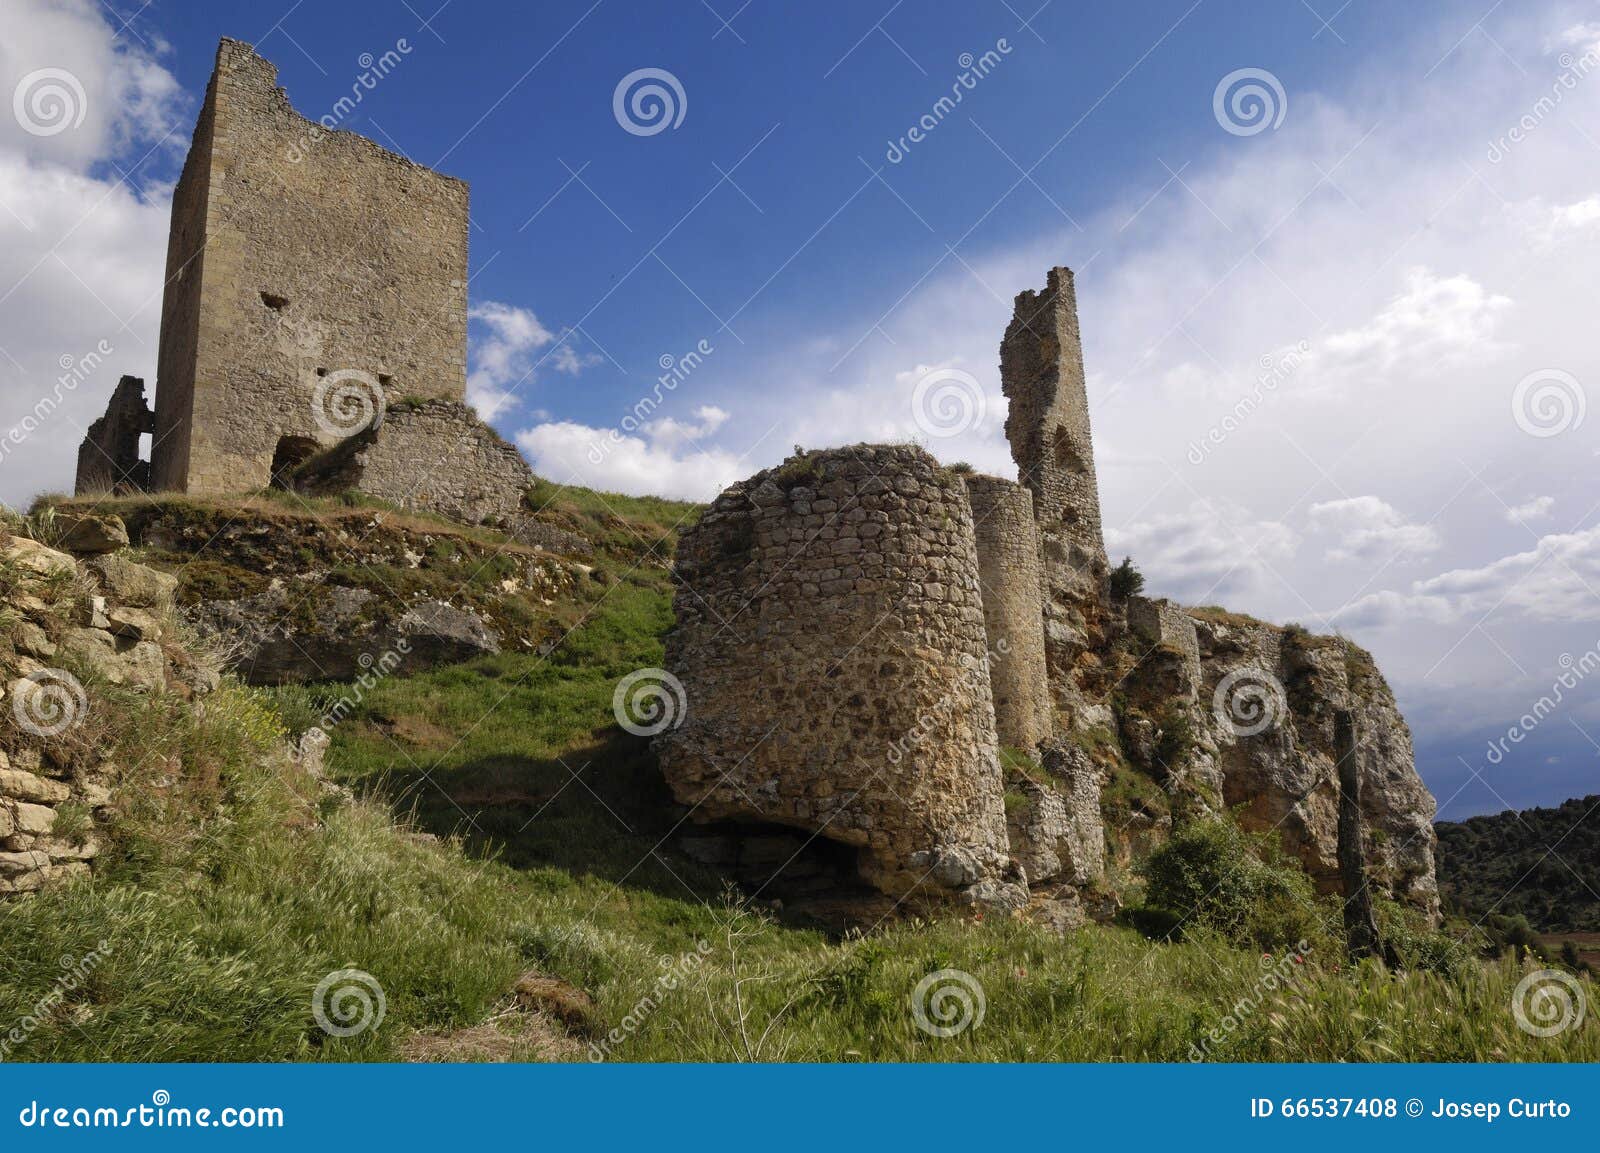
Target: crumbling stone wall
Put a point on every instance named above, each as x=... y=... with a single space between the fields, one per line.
x=108 y=458
x=1013 y=608
x=433 y=455
x=831 y=645
x=53 y=780
x=295 y=255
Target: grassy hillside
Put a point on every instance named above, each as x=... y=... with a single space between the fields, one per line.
x=501 y=866
x=1542 y=864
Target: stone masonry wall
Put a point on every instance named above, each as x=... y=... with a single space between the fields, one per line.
x=297 y=255
x=830 y=642
x=1013 y=609
x=434 y=455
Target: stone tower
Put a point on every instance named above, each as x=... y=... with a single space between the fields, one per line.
x=1041 y=374
x=298 y=258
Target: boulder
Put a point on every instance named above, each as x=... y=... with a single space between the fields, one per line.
x=135 y=585
x=90 y=533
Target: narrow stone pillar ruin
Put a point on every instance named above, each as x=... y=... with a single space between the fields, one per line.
x=1047 y=424
x=108 y=458
x=1013 y=609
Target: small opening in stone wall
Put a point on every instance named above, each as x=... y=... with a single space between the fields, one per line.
x=322 y=372
x=385 y=379
x=1066 y=456
x=291 y=453
x=275 y=302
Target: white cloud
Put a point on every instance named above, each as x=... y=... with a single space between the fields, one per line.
x=1536 y=509
x=1434 y=320
x=81 y=256
x=87 y=94
x=1206 y=554
x=1558 y=580
x=664 y=459
x=506 y=355
x=1549 y=226
x=1371 y=530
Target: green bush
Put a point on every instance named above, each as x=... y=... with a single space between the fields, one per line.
x=1213 y=874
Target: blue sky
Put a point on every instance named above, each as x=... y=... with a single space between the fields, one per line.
x=1338 y=367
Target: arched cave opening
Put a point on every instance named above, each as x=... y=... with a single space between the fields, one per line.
x=291 y=453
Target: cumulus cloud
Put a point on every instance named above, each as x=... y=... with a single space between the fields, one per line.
x=1206 y=553
x=82 y=253
x=663 y=458
x=1558 y=580
x=1536 y=509
x=85 y=94
x=1435 y=320
x=506 y=355
x=1368 y=529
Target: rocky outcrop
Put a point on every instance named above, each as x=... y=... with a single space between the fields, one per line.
x=1236 y=713
x=337 y=634
x=1056 y=829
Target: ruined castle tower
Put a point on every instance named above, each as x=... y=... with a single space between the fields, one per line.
x=1041 y=374
x=303 y=265
x=830 y=642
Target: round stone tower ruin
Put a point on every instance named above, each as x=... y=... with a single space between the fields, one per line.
x=832 y=648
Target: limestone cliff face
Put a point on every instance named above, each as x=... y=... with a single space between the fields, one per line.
x=1254 y=704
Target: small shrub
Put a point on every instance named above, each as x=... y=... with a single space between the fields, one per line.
x=1126 y=581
